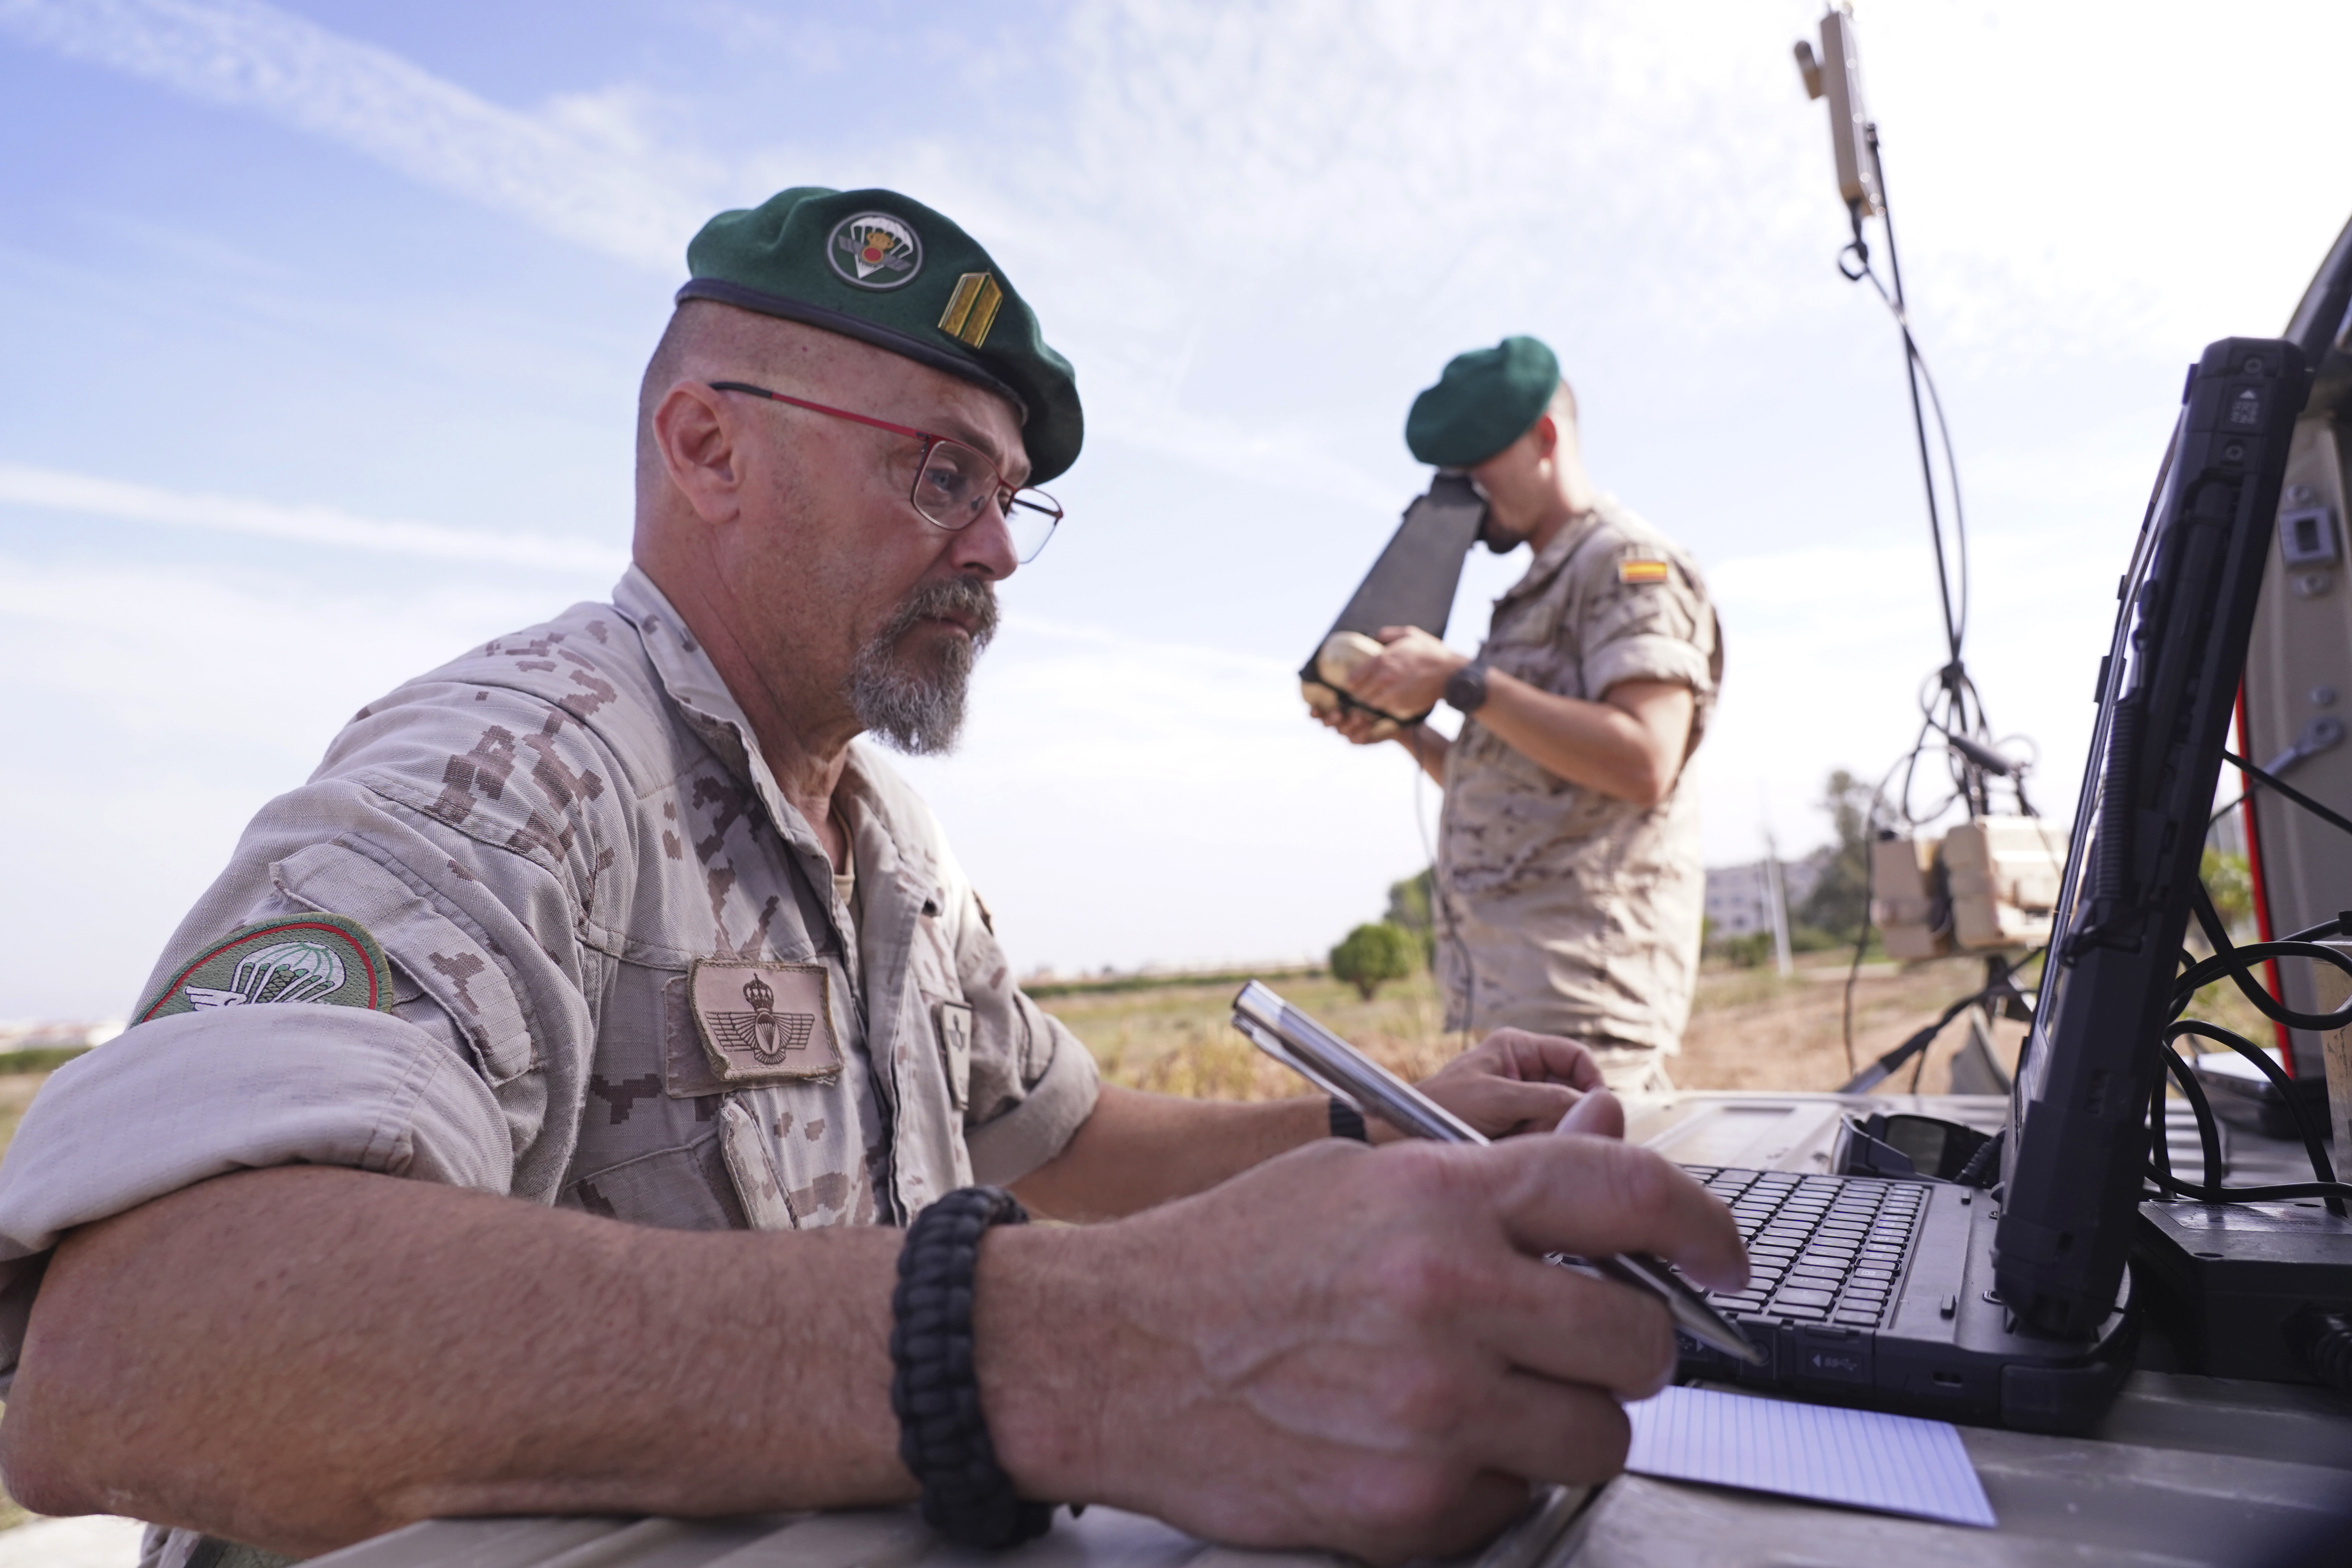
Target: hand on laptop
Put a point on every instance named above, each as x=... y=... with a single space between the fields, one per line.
x=1516 y=1081
x=1360 y=1349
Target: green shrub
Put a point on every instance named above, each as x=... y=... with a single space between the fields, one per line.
x=1371 y=954
x=1411 y=904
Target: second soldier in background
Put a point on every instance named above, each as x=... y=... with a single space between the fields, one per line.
x=1568 y=878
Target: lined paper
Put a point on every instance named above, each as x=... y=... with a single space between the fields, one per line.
x=1862 y=1458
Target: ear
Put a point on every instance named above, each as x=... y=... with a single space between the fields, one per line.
x=1546 y=431
x=696 y=431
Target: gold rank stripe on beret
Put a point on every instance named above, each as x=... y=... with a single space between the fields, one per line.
x=971 y=308
x=1642 y=571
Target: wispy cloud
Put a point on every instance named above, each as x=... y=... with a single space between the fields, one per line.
x=52 y=489
x=582 y=168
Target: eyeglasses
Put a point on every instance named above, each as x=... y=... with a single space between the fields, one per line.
x=953 y=483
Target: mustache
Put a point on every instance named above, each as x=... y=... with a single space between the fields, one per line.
x=968 y=599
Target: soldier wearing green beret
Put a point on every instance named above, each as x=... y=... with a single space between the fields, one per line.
x=1568 y=873
x=593 y=1092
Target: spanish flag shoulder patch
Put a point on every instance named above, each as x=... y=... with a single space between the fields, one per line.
x=1642 y=571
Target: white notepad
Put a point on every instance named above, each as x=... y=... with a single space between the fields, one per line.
x=1895 y=1464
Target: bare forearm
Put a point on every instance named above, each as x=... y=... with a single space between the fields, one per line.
x=1138 y=1151
x=1428 y=748
x=1599 y=746
x=316 y=1355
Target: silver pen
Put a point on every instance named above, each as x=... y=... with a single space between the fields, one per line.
x=1337 y=1067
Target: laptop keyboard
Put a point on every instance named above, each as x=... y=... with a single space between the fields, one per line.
x=1820 y=1248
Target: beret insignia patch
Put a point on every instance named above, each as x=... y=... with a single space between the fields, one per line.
x=875 y=250
x=971 y=308
x=324 y=959
x=1642 y=571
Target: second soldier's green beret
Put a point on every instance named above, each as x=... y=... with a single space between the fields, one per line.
x=880 y=267
x=1485 y=400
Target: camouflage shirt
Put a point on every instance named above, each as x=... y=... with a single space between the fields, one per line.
x=542 y=924
x=1571 y=911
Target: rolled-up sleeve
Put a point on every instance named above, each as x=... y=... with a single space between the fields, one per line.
x=1648 y=630
x=445 y=1073
x=185 y=1099
x=1033 y=1083
x=1055 y=1103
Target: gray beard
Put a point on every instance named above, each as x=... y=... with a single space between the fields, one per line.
x=920 y=711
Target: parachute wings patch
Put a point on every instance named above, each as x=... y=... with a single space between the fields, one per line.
x=324 y=959
x=764 y=1022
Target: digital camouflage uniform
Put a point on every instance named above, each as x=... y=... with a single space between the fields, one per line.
x=542 y=924
x=1567 y=910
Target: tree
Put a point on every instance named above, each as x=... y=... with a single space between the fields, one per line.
x=1411 y=903
x=1840 y=901
x=1371 y=954
x=2231 y=885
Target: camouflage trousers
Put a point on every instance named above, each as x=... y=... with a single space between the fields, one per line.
x=1632 y=1069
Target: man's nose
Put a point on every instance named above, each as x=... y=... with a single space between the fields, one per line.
x=984 y=547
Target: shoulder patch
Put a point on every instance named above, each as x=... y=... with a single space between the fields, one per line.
x=1642 y=571
x=324 y=959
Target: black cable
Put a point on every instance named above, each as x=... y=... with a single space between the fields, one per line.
x=2334 y=1193
x=2325 y=1338
x=1972 y=1174
x=1437 y=899
x=2217 y=937
x=2312 y=1143
x=1915 y=370
x=2288 y=790
x=1920 y=1040
x=2236 y=964
x=2208 y=1134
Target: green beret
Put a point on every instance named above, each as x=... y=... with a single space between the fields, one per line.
x=877 y=266
x=1487 y=399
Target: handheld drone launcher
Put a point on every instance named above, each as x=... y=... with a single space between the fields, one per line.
x=1412 y=584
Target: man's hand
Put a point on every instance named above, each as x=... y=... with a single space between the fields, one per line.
x=1410 y=674
x=1137 y=1150
x=1350 y=1348
x=1512 y=1081
x=1361 y=728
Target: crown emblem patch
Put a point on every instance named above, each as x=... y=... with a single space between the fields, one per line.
x=764 y=1023
x=875 y=250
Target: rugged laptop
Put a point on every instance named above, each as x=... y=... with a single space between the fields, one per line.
x=2011 y=1306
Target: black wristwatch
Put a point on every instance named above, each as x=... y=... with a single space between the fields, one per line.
x=1465 y=689
x=1347 y=1122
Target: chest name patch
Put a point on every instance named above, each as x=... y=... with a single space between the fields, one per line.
x=324 y=959
x=1642 y=571
x=764 y=1023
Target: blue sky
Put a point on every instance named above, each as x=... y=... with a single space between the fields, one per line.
x=324 y=324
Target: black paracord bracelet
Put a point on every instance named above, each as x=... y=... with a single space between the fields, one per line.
x=943 y=1432
x=1347 y=1122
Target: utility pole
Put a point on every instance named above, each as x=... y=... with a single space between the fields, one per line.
x=1776 y=901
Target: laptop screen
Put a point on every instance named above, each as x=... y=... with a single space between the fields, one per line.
x=2078 y=1148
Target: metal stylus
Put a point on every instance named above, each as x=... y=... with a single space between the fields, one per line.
x=1334 y=1065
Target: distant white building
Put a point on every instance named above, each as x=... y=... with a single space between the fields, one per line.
x=1737 y=895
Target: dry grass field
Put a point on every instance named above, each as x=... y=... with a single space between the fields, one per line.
x=1750 y=1029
